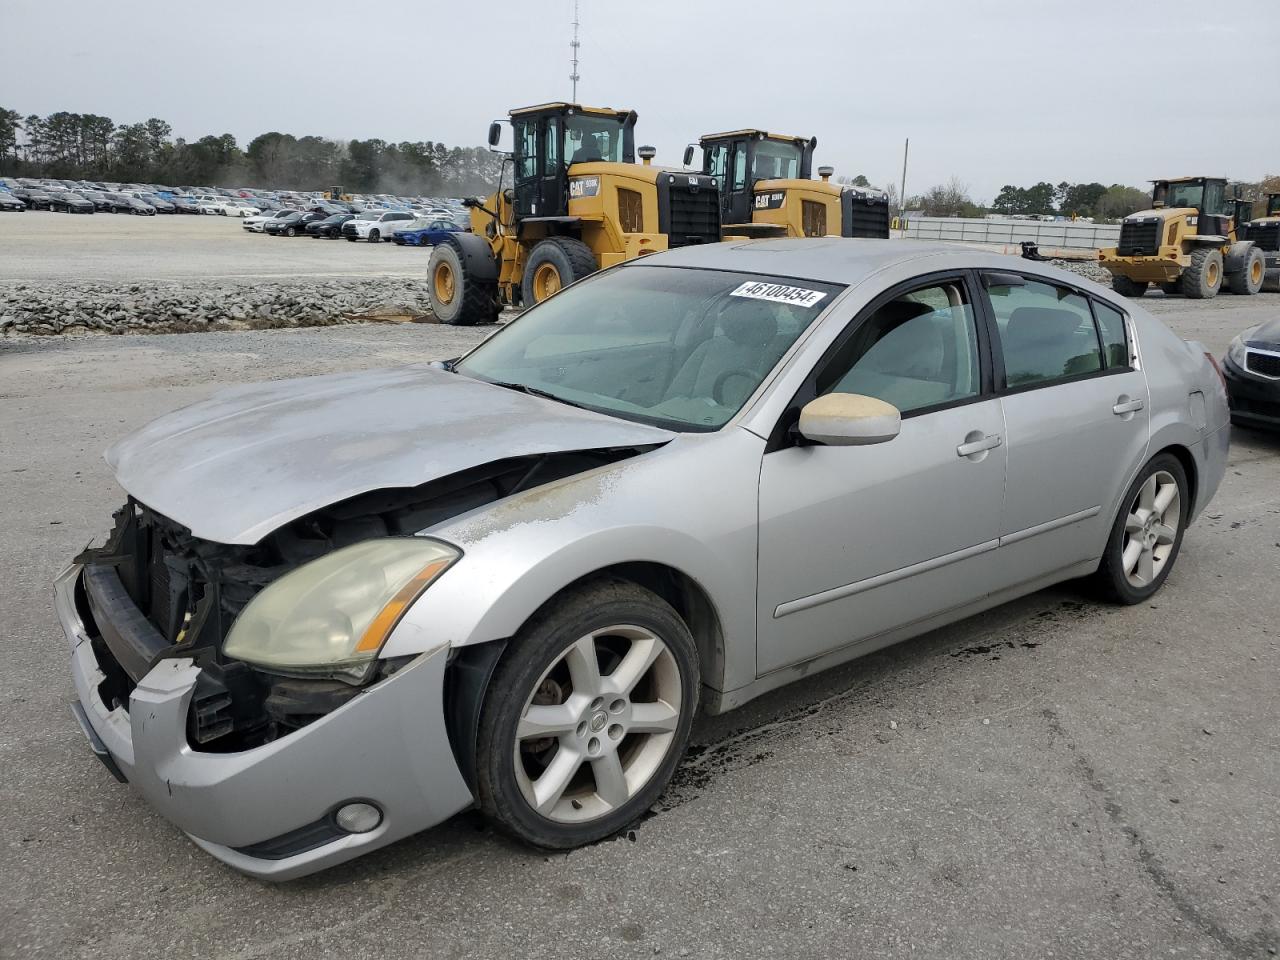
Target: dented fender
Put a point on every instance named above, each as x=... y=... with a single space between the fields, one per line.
x=520 y=552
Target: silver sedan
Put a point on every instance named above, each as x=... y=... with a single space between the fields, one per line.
x=335 y=611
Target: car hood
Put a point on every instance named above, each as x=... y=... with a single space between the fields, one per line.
x=239 y=465
x=1267 y=335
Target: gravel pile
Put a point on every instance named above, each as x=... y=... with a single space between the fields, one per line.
x=188 y=305
x=1088 y=269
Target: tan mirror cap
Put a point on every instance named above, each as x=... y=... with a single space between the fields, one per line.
x=844 y=419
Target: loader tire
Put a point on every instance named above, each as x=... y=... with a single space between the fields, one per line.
x=1128 y=288
x=1203 y=279
x=1271 y=281
x=1171 y=289
x=457 y=298
x=1248 y=279
x=554 y=264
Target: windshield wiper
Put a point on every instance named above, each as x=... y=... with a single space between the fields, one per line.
x=536 y=392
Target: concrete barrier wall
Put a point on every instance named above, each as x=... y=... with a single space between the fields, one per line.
x=1072 y=236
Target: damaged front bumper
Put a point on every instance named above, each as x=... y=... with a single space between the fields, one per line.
x=270 y=811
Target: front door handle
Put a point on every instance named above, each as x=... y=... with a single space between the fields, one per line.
x=1123 y=406
x=983 y=443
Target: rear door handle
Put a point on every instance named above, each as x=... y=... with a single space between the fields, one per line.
x=989 y=442
x=1127 y=406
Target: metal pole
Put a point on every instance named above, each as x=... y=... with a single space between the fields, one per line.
x=902 y=197
x=573 y=45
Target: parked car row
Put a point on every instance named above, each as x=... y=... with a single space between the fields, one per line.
x=372 y=226
x=82 y=196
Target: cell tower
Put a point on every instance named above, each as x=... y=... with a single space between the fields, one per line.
x=573 y=46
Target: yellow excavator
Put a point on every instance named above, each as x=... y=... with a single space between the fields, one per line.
x=1191 y=242
x=577 y=202
x=767 y=190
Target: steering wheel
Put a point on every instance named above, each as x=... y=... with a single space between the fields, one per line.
x=717 y=389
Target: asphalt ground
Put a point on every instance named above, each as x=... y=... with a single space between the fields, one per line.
x=1055 y=778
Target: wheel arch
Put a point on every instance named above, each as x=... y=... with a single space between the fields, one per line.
x=471 y=666
x=1185 y=457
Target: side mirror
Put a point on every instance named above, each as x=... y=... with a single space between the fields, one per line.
x=849 y=419
x=495 y=133
x=688 y=155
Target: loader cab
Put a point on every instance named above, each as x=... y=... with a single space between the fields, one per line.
x=1208 y=195
x=742 y=157
x=551 y=137
x=1273 y=205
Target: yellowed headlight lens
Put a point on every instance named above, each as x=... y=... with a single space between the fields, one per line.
x=332 y=615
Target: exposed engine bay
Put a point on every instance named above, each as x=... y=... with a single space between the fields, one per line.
x=178 y=594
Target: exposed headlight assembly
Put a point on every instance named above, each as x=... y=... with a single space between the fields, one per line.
x=330 y=617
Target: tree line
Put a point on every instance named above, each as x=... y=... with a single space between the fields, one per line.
x=85 y=146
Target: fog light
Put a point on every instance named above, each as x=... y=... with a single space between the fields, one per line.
x=358 y=817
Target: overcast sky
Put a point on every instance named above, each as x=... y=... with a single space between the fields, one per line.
x=990 y=91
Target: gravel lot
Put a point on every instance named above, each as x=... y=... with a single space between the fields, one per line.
x=1051 y=779
x=38 y=245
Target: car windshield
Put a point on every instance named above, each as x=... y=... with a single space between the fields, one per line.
x=677 y=347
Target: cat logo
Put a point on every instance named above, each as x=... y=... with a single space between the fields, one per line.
x=583 y=187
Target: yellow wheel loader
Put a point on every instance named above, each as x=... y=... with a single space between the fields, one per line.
x=1265 y=234
x=577 y=202
x=1189 y=242
x=767 y=190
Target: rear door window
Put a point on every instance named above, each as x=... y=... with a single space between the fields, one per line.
x=1046 y=333
x=1115 y=343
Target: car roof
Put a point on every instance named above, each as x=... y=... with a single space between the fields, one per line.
x=832 y=259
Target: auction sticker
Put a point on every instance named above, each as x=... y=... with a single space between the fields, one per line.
x=779 y=293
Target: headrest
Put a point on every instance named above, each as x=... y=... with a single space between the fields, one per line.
x=749 y=324
x=898 y=312
x=1028 y=324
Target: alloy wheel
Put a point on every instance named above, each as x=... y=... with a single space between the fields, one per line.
x=1151 y=528
x=598 y=724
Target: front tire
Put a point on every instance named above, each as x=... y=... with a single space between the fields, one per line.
x=1203 y=279
x=291 y=232
x=1126 y=287
x=457 y=297
x=374 y=236
x=553 y=264
x=1147 y=534
x=587 y=716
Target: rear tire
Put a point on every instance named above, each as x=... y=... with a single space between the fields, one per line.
x=553 y=264
x=1203 y=279
x=1126 y=287
x=612 y=673
x=458 y=298
x=1249 y=278
x=1271 y=281
x=1135 y=544
x=1171 y=289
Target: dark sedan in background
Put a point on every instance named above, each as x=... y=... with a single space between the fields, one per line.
x=330 y=228
x=9 y=202
x=34 y=199
x=1252 y=371
x=69 y=202
x=291 y=224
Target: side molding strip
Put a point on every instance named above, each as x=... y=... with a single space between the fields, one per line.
x=880 y=580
